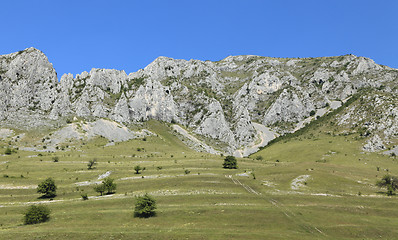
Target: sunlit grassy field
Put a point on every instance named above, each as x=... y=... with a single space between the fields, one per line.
x=315 y=186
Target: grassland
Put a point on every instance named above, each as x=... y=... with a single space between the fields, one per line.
x=314 y=186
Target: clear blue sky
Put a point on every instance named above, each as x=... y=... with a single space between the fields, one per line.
x=128 y=35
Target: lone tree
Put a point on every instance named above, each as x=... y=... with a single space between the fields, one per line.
x=230 y=162
x=91 y=163
x=389 y=182
x=137 y=169
x=48 y=188
x=145 y=206
x=107 y=186
x=36 y=214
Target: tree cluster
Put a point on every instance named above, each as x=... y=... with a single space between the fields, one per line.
x=389 y=182
x=107 y=186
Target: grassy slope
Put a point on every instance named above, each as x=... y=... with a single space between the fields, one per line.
x=206 y=204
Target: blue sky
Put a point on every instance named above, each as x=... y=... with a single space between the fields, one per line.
x=128 y=35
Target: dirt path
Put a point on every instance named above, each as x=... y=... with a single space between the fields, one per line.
x=246 y=187
x=286 y=211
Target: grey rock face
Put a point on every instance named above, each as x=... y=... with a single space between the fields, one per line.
x=215 y=126
x=287 y=108
x=221 y=101
x=153 y=101
x=27 y=86
x=374 y=144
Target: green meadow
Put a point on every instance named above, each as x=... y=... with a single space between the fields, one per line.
x=312 y=186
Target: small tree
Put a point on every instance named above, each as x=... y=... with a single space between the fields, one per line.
x=137 y=169
x=8 y=151
x=110 y=186
x=389 y=182
x=107 y=185
x=91 y=163
x=145 y=206
x=230 y=162
x=36 y=214
x=100 y=188
x=48 y=188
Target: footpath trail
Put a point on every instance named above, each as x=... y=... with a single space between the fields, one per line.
x=285 y=210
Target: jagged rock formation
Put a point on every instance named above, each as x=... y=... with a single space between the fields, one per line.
x=219 y=101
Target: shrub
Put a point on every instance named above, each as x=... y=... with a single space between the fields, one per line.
x=145 y=206
x=187 y=171
x=84 y=196
x=36 y=214
x=230 y=162
x=48 y=188
x=8 y=151
x=260 y=158
x=56 y=159
x=312 y=113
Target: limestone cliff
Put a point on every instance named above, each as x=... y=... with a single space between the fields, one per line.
x=219 y=101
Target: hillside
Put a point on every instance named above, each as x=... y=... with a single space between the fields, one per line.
x=316 y=135
x=312 y=186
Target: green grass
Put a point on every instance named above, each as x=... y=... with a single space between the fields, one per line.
x=206 y=203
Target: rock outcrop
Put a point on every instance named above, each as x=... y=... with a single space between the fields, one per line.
x=220 y=101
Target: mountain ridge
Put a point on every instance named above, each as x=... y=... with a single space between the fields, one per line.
x=218 y=101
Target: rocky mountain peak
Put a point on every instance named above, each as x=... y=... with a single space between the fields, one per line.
x=229 y=103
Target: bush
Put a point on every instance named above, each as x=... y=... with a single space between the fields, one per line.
x=312 y=113
x=56 y=159
x=84 y=196
x=48 y=188
x=8 y=151
x=230 y=162
x=36 y=214
x=145 y=206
